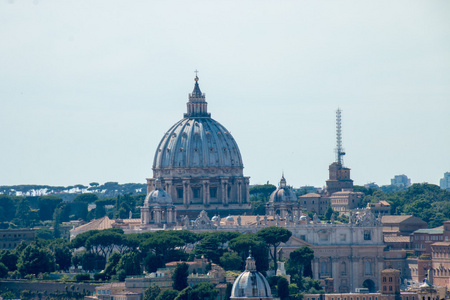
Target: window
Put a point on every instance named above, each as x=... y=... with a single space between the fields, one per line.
x=180 y=193
x=367 y=267
x=390 y=288
x=213 y=192
x=196 y=192
x=384 y=279
x=343 y=237
x=390 y=279
x=367 y=235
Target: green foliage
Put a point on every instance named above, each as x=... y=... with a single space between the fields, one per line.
x=9 y=259
x=86 y=198
x=283 y=288
x=274 y=236
x=162 y=244
x=35 y=260
x=167 y=295
x=83 y=277
x=231 y=261
x=213 y=244
x=179 y=276
x=250 y=241
x=311 y=286
x=3 y=271
x=152 y=292
x=328 y=213
x=7 y=208
x=111 y=264
x=152 y=262
x=47 y=206
x=204 y=290
x=130 y=262
x=259 y=195
x=298 y=261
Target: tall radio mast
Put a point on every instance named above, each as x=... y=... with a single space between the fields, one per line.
x=339 y=150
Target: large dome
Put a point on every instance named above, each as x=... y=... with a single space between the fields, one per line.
x=198 y=142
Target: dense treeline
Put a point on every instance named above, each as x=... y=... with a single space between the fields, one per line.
x=112 y=255
x=425 y=201
x=51 y=211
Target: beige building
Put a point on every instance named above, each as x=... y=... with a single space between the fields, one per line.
x=345 y=200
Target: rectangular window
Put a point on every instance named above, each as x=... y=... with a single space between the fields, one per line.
x=196 y=192
x=343 y=237
x=213 y=192
x=367 y=235
x=180 y=193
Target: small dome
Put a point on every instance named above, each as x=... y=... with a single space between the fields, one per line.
x=158 y=197
x=250 y=284
x=303 y=218
x=229 y=218
x=283 y=193
x=215 y=218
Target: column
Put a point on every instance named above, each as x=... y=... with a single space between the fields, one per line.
x=335 y=273
x=186 y=191
x=239 y=192
x=247 y=190
x=205 y=192
x=315 y=267
x=224 y=192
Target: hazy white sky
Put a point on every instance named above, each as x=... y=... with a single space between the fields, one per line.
x=88 y=88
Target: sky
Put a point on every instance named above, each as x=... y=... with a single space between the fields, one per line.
x=88 y=88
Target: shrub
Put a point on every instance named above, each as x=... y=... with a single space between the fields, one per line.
x=82 y=277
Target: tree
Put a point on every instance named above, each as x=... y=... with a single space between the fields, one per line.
x=35 y=260
x=47 y=206
x=204 y=290
x=167 y=295
x=283 y=288
x=152 y=262
x=9 y=259
x=63 y=256
x=179 y=276
x=250 y=241
x=86 y=198
x=152 y=292
x=80 y=240
x=104 y=242
x=274 y=236
x=328 y=213
x=231 y=261
x=3 y=270
x=298 y=260
x=162 y=243
x=130 y=262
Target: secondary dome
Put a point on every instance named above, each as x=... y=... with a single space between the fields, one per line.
x=250 y=284
x=283 y=193
x=197 y=141
x=157 y=196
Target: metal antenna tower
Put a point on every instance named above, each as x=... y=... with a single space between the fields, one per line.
x=339 y=150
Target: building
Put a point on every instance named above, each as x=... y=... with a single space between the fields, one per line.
x=158 y=209
x=345 y=200
x=10 y=238
x=390 y=290
x=314 y=202
x=445 y=182
x=283 y=201
x=251 y=284
x=352 y=254
x=199 y=164
x=401 y=181
x=401 y=225
x=381 y=207
x=422 y=239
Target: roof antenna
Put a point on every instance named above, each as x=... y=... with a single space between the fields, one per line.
x=339 y=150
